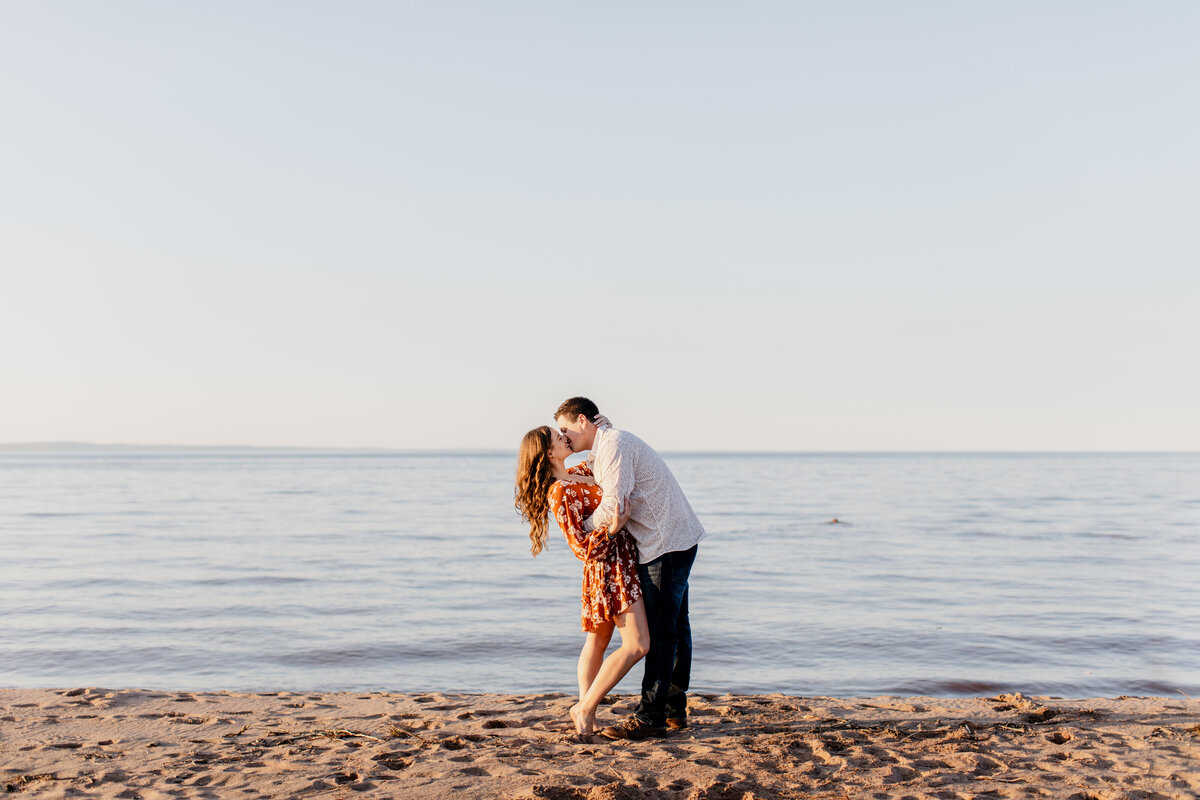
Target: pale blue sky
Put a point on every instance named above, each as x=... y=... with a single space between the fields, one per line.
x=779 y=226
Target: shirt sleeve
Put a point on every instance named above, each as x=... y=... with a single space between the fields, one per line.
x=583 y=469
x=566 y=504
x=615 y=471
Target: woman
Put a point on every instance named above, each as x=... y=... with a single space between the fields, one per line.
x=612 y=595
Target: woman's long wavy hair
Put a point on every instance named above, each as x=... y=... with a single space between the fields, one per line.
x=535 y=476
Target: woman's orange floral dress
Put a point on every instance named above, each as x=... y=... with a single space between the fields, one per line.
x=610 y=577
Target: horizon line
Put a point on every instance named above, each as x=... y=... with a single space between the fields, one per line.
x=67 y=446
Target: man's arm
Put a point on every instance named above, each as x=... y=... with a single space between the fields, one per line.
x=614 y=473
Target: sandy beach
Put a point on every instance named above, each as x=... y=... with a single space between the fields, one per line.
x=100 y=743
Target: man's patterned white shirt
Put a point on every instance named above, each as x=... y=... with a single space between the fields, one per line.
x=662 y=520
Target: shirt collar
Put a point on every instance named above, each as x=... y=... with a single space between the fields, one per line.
x=601 y=433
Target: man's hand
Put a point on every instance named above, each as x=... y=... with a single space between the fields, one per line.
x=615 y=526
x=602 y=421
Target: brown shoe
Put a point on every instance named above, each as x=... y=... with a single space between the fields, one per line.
x=632 y=728
x=676 y=723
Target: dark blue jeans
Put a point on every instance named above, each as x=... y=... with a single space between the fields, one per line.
x=669 y=662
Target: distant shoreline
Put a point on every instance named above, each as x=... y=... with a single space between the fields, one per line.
x=75 y=447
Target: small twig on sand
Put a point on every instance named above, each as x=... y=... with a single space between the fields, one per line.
x=339 y=733
x=930 y=734
x=335 y=733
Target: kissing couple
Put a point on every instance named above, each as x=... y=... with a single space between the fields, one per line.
x=625 y=517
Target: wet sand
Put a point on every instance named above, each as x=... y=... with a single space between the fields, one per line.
x=99 y=743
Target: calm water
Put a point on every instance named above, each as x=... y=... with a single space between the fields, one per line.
x=1073 y=575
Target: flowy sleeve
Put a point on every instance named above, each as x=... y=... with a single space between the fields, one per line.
x=567 y=505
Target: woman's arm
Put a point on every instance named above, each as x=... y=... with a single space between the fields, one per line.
x=566 y=504
x=581 y=473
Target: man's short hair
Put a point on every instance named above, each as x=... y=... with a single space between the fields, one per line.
x=575 y=406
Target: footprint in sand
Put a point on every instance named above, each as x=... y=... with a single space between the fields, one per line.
x=1041 y=714
x=392 y=761
x=899 y=775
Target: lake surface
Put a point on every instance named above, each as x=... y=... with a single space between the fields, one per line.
x=949 y=574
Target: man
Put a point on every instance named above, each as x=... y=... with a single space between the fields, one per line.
x=662 y=522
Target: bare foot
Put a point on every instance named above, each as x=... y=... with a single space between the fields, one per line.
x=583 y=722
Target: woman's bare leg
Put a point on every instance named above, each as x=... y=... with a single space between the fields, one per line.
x=635 y=642
x=592 y=656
